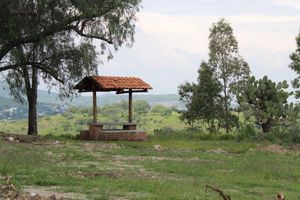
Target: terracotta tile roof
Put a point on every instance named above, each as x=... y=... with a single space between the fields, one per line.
x=111 y=83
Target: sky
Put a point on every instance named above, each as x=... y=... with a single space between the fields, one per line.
x=171 y=39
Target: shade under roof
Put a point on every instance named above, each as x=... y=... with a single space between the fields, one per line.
x=112 y=83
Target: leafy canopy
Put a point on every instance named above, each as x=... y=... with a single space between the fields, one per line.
x=30 y=22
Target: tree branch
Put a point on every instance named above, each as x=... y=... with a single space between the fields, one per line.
x=50 y=30
x=34 y=65
x=15 y=66
x=80 y=32
x=221 y=193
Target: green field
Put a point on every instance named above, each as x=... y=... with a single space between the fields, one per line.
x=71 y=123
x=135 y=170
x=58 y=163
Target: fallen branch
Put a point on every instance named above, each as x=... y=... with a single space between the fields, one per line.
x=221 y=193
x=8 y=182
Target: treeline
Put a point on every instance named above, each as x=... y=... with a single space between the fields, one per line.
x=226 y=79
x=118 y=112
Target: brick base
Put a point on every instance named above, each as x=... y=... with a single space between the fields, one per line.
x=114 y=135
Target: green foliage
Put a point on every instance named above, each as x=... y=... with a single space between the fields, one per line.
x=141 y=107
x=288 y=135
x=25 y=22
x=114 y=113
x=230 y=69
x=202 y=99
x=37 y=43
x=268 y=102
x=166 y=130
x=295 y=65
x=76 y=119
x=247 y=131
x=161 y=110
x=223 y=75
x=168 y=133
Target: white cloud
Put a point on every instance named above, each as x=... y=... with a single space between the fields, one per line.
x=292 y=3
x=170 y=47
x=191 y=32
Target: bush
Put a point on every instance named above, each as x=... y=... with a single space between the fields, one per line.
x=161 y=110
x=280 y=134
x=164 y=130
x=169 y=133
x=284 y=135
x=295 y=133
x=248 y=131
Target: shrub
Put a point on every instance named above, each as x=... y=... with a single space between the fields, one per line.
x=248 y=131
x=164 y=130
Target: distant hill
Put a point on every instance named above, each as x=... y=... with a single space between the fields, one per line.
x=49 y=102
x=102 y=99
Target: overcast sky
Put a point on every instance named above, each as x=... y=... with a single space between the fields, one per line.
x=172 y=39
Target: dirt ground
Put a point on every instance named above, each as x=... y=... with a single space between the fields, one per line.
x=9 y=192
x=26 y=139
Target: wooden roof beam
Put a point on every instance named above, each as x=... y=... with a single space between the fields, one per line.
x=133 y=91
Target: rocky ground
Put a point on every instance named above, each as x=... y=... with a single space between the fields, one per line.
x=10 y=192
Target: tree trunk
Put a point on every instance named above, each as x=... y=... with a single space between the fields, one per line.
x=32 y=113
x=226 y=105
x=266 y=127
x=31 y=91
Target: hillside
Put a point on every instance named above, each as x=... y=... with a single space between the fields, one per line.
x=49 y=102
x=103 y=98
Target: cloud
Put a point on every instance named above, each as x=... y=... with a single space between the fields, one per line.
x=191 y=32
x=291 y=3
x=169 y=46
x=224 y=7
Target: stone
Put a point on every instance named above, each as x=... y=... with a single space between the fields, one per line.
x=158 y=147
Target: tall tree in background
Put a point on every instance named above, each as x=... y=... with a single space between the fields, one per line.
x=295 y=65
x=227 y=63
x=37 y=42
x=203 y=99
x=186 y=94
x=208 y=98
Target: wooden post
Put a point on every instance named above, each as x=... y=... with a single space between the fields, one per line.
x=94 y=104
x=130 y=106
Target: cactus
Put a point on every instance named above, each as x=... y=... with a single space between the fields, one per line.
x=267 y=101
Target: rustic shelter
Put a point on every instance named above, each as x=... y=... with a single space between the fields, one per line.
x=120 y=85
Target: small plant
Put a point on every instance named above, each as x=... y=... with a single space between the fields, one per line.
x=248 y=131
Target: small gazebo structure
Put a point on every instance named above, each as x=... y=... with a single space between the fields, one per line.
x=120 y=85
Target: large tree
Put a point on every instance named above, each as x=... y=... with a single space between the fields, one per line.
x=203 y=99
x=40 y=41
x=58 y=62
x=267 y=101
x=228 y=65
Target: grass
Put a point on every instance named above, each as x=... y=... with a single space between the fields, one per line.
x=134 y=170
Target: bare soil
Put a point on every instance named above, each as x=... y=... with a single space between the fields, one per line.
x=272 y=148
x=9 y=192
x=26 y=139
